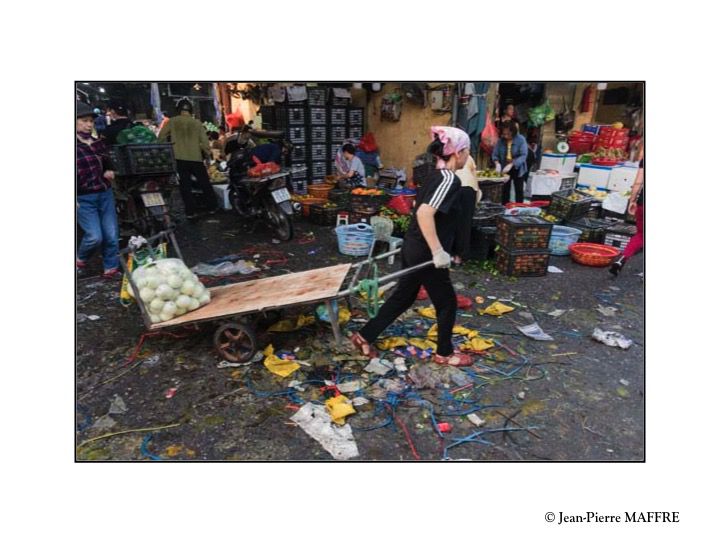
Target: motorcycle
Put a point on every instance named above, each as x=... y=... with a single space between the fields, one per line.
x=259 y=199
x=143 y=204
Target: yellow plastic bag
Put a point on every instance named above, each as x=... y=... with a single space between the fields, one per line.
x=287 y=325
x=339 y=407
x=390 y=343
x=277 y=365
x=477 y=344
x=428 y=312
x=457 y=329
x=496 y=309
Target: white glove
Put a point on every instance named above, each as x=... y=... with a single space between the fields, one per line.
x=441 y=258
x=497 y=166
x=507 y=168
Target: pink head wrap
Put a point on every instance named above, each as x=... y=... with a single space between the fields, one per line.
x=454 y=140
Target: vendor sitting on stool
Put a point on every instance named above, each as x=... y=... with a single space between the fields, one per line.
x=349 y=167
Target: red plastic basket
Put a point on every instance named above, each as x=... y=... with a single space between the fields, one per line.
x=593 y=254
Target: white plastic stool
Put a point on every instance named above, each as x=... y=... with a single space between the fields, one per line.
x=394 y=244
x=343 y=218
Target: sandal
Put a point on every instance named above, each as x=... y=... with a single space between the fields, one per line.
x=362 y=345
x=456 y=359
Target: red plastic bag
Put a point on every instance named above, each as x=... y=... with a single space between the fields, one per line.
x=263 y=169
x=235 y=120
x=400 y=204
x=489 y=136
x=367 y=143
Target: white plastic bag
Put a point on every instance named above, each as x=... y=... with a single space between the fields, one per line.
x=169 y=289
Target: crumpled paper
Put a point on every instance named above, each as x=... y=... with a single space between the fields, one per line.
x=496 y=309
x=608 y=311
x=534 y=331
x=339 y=407
x=277 y=365
x=287 y=325
x=613 y=339
x=378 y=366
x=316 y=422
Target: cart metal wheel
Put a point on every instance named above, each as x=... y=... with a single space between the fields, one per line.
x=235 y=342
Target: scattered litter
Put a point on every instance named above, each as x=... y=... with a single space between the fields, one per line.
x=287 y=325
x=458 y=286
x=609 y=450
x=391 y=343
x=622 y=392
x=463 y=302
x=278 y=366
x=526 y=315
x=400 y=366
x=613 y=339
x=557 y=312
x=352 y=386
x=477 y=344
x=479 y=300
x=81 y=317
x=444 y=427
x=170 y=392
x=316 y=422
x=275 y=241
x=339 y=407
x=225 y=364
x=360 y=401
x=104 y=422
x=459 y=377
x=475 y=419
x=151 y=360
x=641 y=274
x=607 y=310
x=613 y=288
x=428 y=312
x=379 y=367
x=555 y=270
x=521 y=395
x=117 y=405
x=496 y=309
x=534 y=331
x=492 y=297
x=423 y=376
x=225 y=268
x=297 y=385
x=624 y=382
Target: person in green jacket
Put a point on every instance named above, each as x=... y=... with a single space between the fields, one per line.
x=191 y=146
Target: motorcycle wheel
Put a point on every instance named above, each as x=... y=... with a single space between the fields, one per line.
x=281 y=224
x=234 y=197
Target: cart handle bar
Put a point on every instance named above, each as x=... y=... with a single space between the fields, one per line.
x=389 y=277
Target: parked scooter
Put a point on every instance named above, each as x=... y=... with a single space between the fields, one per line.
x=259 y=199
x=143 y=204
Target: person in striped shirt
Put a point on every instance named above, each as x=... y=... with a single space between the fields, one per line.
x=430 y=237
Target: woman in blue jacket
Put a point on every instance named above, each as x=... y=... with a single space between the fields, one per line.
x=510 y=157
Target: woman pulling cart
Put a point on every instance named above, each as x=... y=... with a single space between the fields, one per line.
x=436 y=218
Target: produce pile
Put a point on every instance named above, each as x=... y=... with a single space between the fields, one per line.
x=169 y=289
x=594 y=193
x=401 y=223
x=366 y=191
x=216 y=175
x=489 y=173
x=136 y=135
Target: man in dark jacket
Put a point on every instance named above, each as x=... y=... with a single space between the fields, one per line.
x=95 y=202
x=119 y=121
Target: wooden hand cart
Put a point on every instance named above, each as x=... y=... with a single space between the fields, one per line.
x=234 y=308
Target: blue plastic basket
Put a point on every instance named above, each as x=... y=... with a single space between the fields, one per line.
x=561 y=238
x=355 y=240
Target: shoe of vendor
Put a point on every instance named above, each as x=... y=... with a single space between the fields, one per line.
x=456 y=359
x=113 y=272
x=617 y=266
x=80 y=265
x=362 y=345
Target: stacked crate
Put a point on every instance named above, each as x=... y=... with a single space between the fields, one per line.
x=316 y=128
x=523 y=242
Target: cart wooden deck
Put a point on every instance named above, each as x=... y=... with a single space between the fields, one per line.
x=267 y=293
